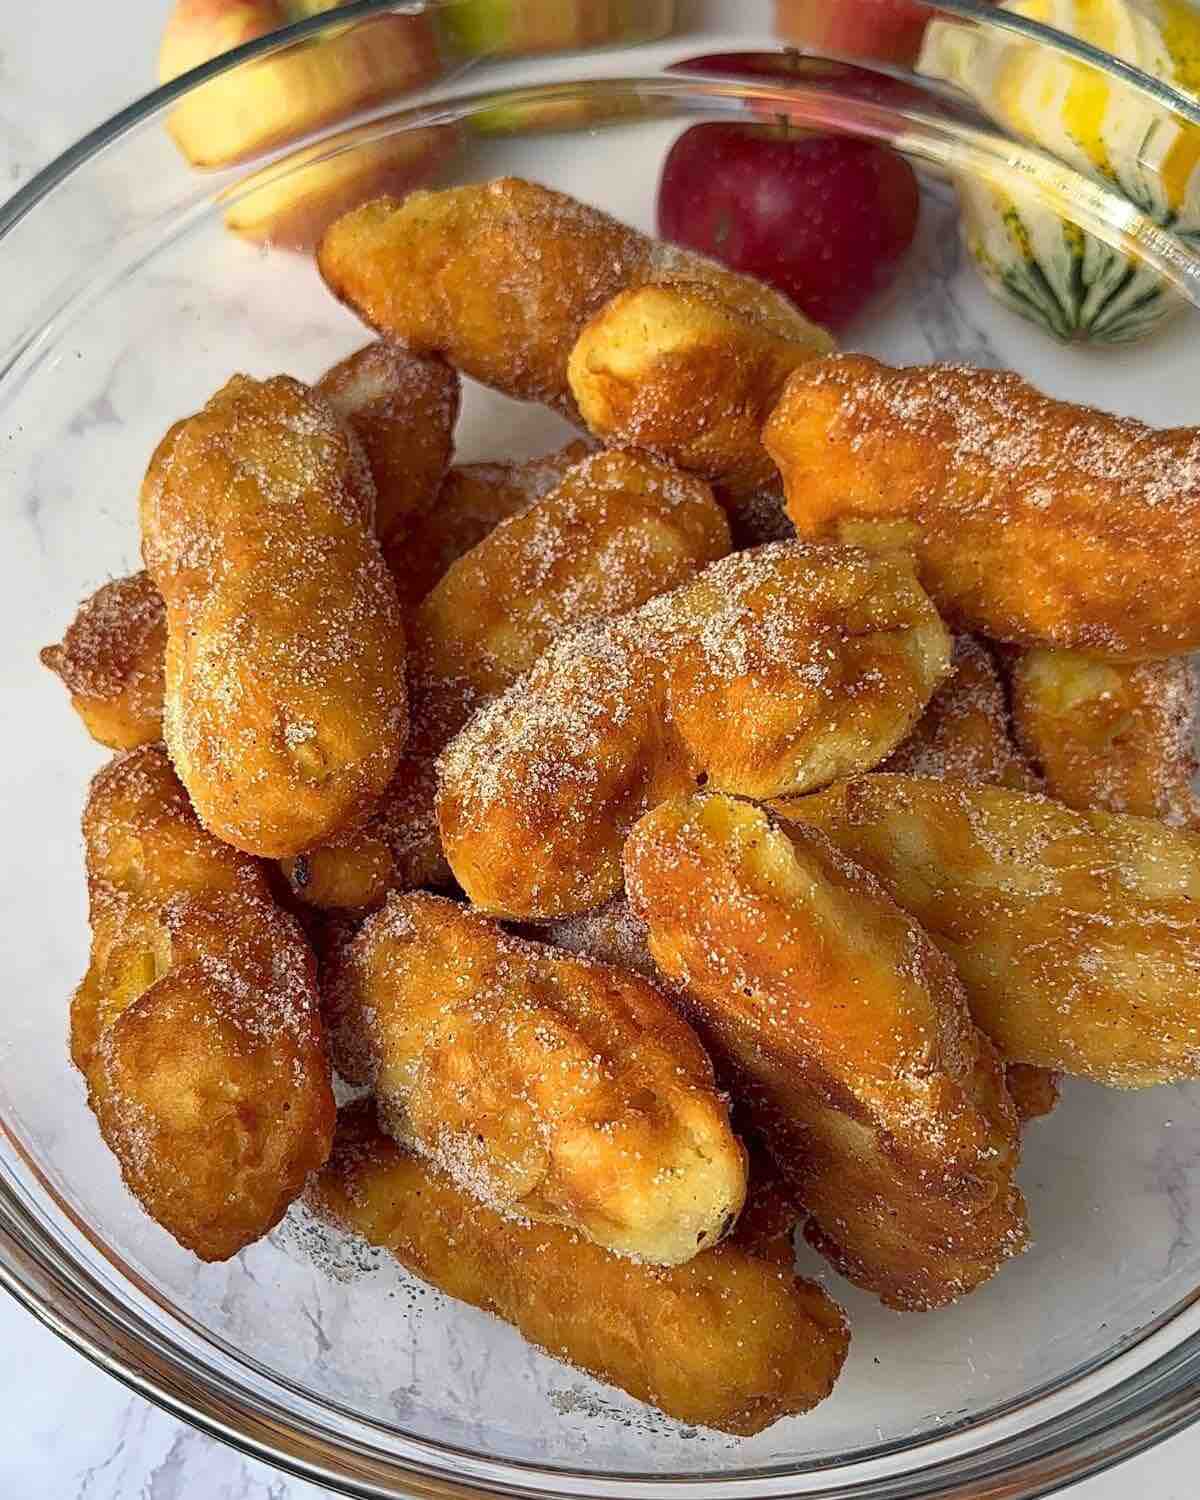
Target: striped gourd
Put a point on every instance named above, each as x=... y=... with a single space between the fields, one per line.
x=1050 y=270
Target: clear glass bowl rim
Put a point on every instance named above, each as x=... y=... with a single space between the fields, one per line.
x=37 y=1268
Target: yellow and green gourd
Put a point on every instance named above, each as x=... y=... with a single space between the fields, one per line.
x=1048 y=269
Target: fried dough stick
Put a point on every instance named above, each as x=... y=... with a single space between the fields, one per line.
x=674 y=370
x=1109 y=736
x=500 y=277
x=1077 y=935
x=111 y=658
x=779 y=667
x=1032 y=521
x=473 y=499
x=285 y=703
x=551 y=1087
x=402 y=408
x=111 y=662
x=196 y=1025
x=615 y=934
x=849 y=1040
x=729 y=1340
x=618 y=529
x=964 y=733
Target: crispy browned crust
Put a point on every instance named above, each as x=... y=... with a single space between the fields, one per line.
x=111 y=662
x=285 y=703
x=619 y=528
x=728 y=1340
x=500 y=277
x=1034 y=1091
x=1116 y=737
x=672 y=369
x=196 y=1025
x=1077 y=935
x=964 y=734
x=782 y=667
x=551 y=1087
x=1032 y=520
x=402 y=408
x=472 y=500
x=849 y=1041
x=767 y=1226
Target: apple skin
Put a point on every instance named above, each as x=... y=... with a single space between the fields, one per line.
x=294 y=212
x=281 y=98
x=508 y=28
x=787 y=65
x=824 y=219
x=880 y=30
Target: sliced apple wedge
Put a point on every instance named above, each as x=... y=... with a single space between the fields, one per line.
x=283 y=97
x=291 y=204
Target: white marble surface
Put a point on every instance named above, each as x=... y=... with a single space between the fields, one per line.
x=70 y=1430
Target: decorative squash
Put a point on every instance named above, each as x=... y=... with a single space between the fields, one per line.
x=1048 y=269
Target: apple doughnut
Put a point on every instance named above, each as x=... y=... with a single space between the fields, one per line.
x=551 y=1087
x=285 y=703
x=674 y=370
x=500 y=277
x=1032 y=521
x=1077 y=935
x=111 y=662
x=730 y=1340
x=783 y=667
x=196 y=1025
x=848 y=1040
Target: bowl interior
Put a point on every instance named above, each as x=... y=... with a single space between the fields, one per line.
x=174 y=305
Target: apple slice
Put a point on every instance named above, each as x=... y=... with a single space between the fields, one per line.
x=284 y=97
x=294 y=210
x=505 y=28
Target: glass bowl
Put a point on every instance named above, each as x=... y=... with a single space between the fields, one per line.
x=127 y=302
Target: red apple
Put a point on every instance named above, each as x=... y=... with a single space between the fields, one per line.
x=787 y=65
x=824 y=219
x=873 y=30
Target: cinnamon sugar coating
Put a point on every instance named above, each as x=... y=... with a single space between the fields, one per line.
x=500 y=277
x=849 y=1040
x=785 y=667
x=730 y=1340
x=285 y=703
x=552 y=1088
x=196 y=1025
x=1032 y=521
